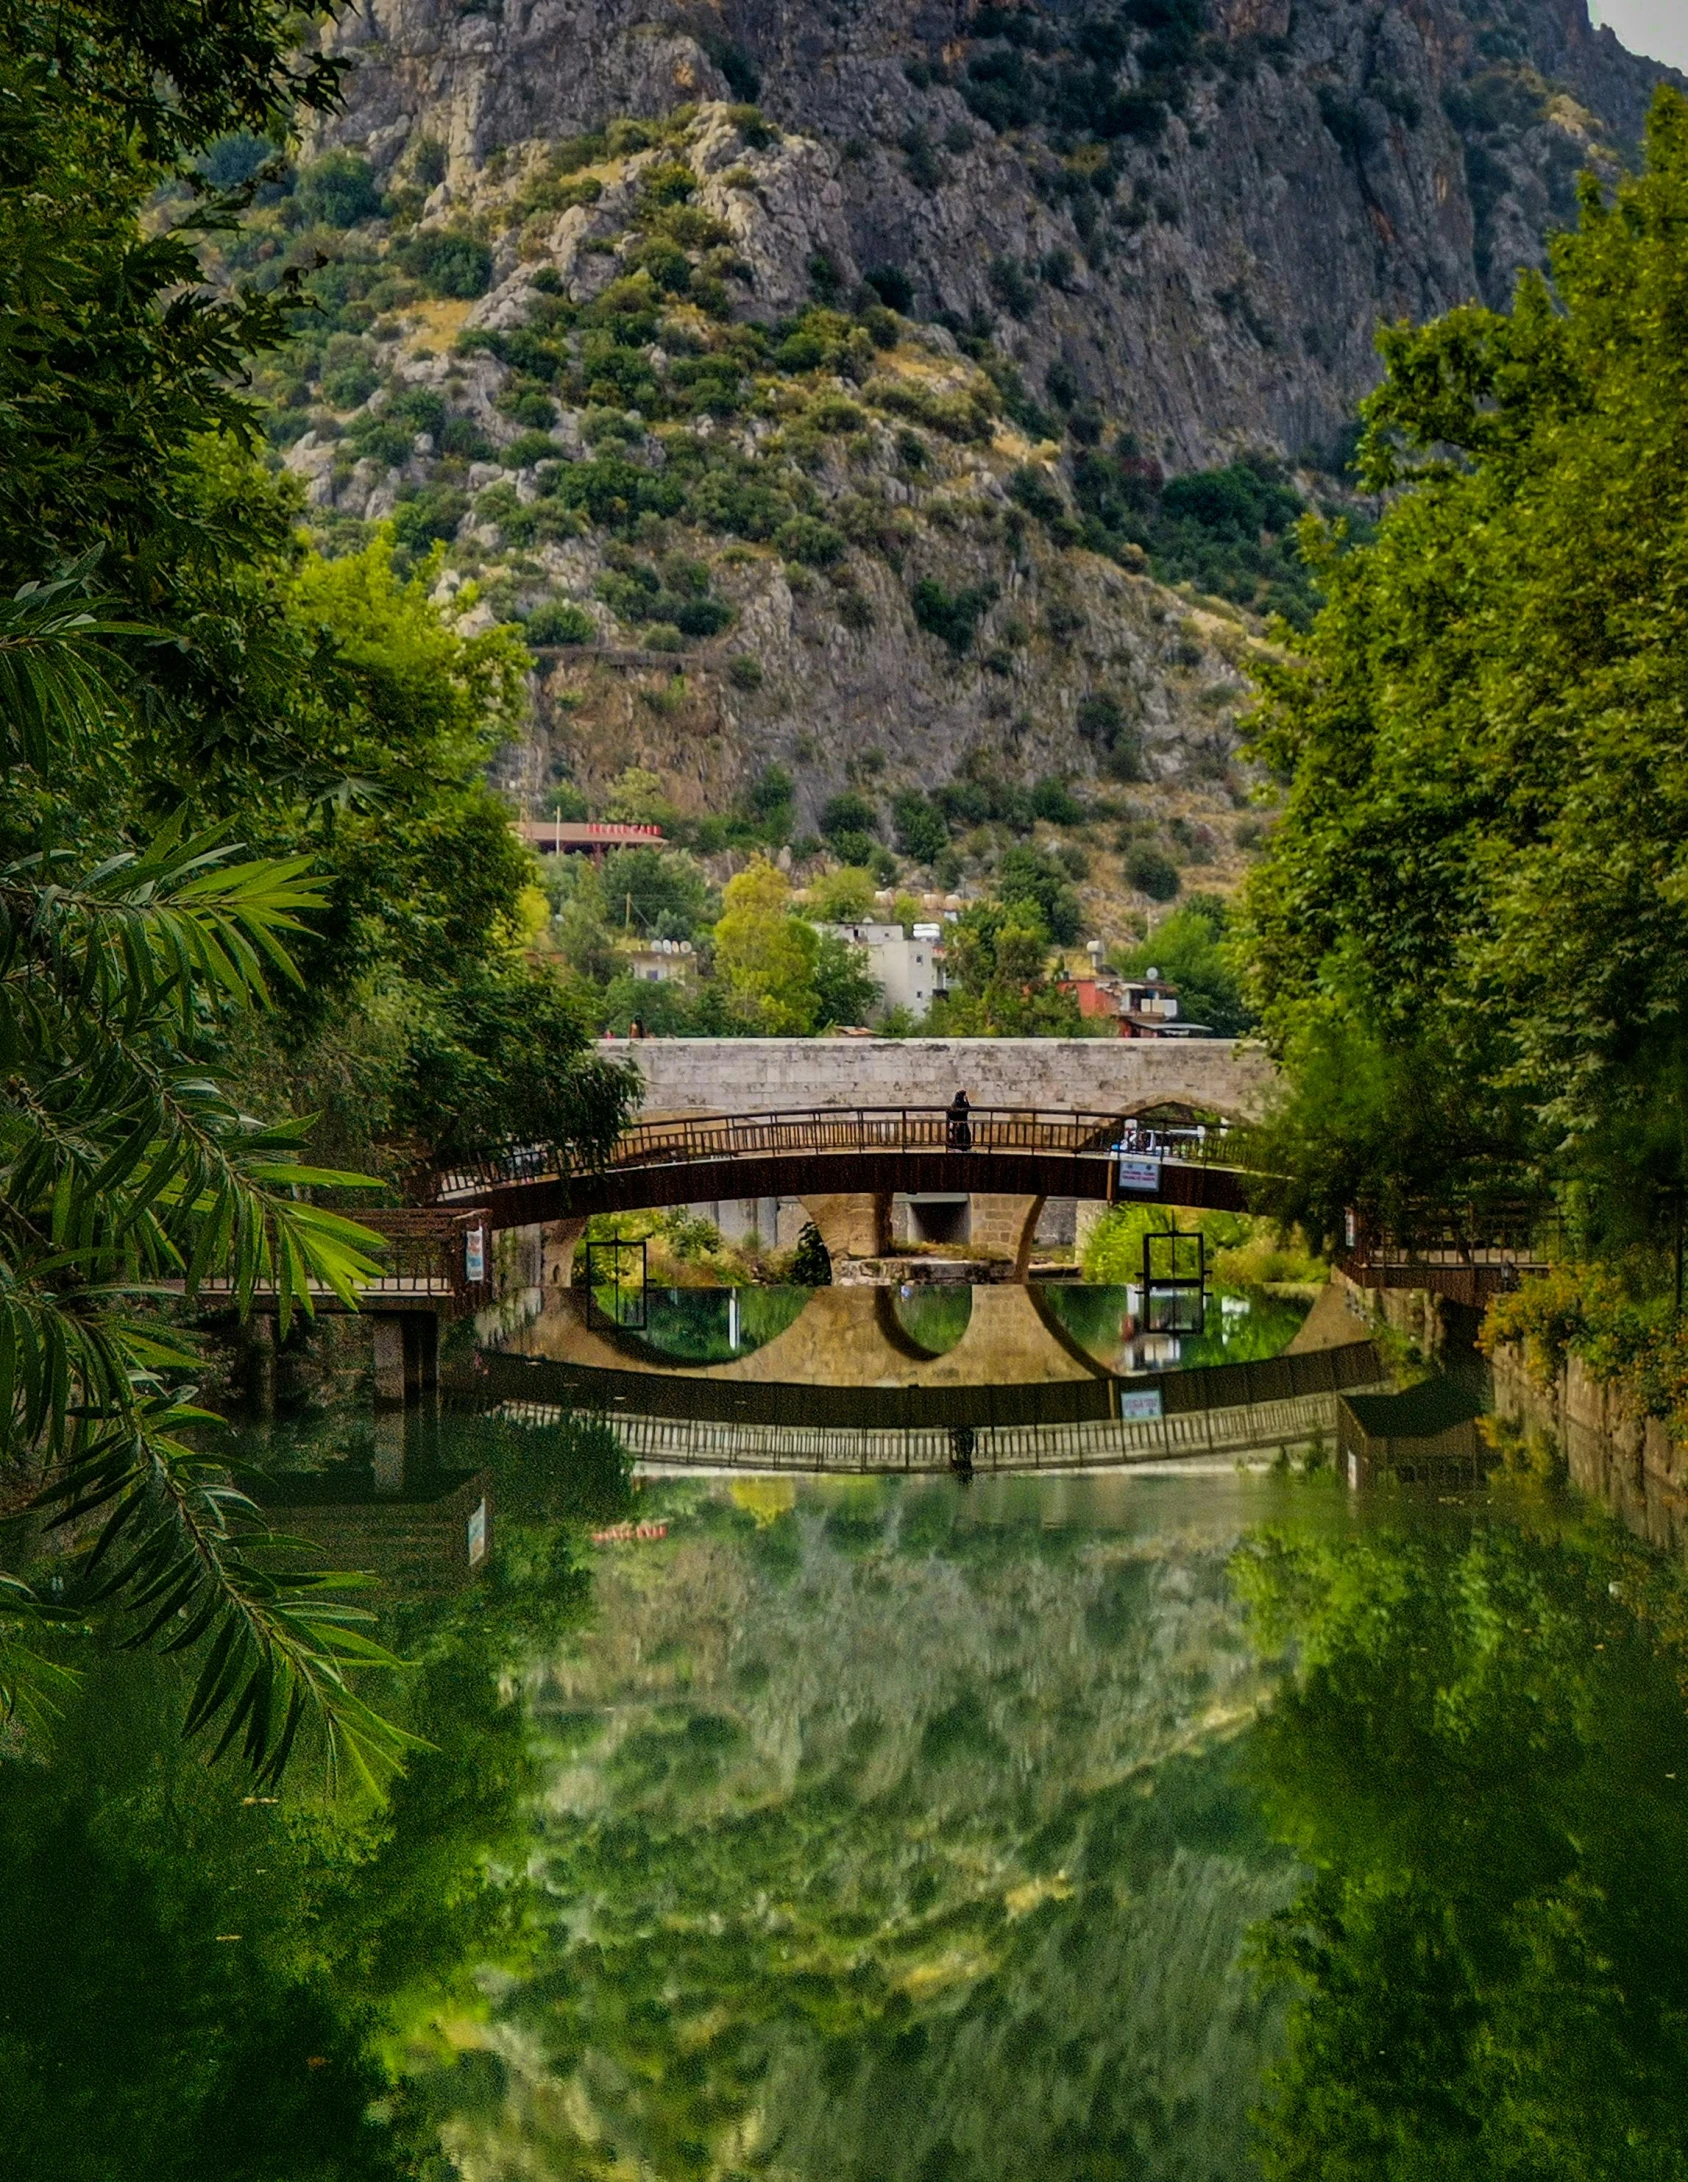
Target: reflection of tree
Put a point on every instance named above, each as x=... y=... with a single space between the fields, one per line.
x=886 y=1849
x=200 y=1983
x=1484 y=1757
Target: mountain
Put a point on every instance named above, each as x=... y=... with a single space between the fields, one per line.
x=1200 y=211
x=903 y=397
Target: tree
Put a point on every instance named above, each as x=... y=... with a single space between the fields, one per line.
x=118 y=356
x=811 y=1261
x=1478 y=888
x=844 y=896
x=122 y=1162
x=846 y=990
x=765 y=955
x=664 y=892
x=921 y=830
x=998 y=959
x=175 y=676
x=1027 y=875
x=1190 y=950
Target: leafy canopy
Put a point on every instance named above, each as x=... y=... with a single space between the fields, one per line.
x=1469 y=933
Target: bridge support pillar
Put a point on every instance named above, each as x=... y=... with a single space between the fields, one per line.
x=1005 y=1225
x=407 y=1356
x=853 y=1224
x=560 y=1240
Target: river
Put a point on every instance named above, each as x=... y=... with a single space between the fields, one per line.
x=1178 y=1826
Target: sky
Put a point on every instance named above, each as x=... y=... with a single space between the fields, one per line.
x=1658 y=28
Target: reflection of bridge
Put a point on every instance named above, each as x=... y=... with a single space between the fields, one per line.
x=842 y=1338
x=843 y=1388
x=705 y=1421
x=846 y=1164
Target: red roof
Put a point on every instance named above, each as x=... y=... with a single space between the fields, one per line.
x=584 y=833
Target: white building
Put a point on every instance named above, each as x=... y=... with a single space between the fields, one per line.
x=909 y=970
x=660 y=961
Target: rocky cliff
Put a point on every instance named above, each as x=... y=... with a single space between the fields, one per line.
x=843 y=391
x=1198 y=211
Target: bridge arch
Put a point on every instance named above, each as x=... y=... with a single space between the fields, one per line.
x=846 y=1166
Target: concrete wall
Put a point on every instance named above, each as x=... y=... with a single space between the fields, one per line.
x=1071 y=1075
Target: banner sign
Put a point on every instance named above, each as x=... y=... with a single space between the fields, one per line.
x=474 y=1254
x=1138 y=1173
x=1142 y=1406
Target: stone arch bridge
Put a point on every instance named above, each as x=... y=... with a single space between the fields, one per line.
x=795 y=1121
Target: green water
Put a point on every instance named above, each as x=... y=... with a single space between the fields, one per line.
x=1237 y=1326
x=1196 y=1826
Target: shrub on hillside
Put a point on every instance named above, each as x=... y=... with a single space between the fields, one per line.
x=921 y=831
x=952 y=615
x=449 y=262
x=338 y=190
x=1151 y=871
x=560 y=621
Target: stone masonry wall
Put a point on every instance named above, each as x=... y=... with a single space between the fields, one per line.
x=1629 y=1461
x=1063 y=1075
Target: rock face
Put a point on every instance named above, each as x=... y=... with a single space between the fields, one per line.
x=1197 y=213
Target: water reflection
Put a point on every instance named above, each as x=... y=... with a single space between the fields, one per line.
x=1108 y=1329
x=1069 y=1828
x=713 y=1325
x=1226 y=1326
x=932 y=1315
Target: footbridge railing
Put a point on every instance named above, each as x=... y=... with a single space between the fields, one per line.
x=707 y=1140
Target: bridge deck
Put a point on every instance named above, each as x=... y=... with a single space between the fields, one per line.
x=871 y=1150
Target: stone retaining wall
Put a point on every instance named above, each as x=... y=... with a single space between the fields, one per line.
x=1629 y=1461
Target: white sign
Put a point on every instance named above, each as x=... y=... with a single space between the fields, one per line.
x=1136 y=1173
x=1142 y=1406
x=474 y=1254
x=477 y=1534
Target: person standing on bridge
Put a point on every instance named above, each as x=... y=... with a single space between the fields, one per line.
x=959 y=1133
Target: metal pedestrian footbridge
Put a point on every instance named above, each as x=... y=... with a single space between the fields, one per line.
x=877 y=1150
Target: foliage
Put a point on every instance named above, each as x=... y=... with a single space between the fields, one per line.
x=1232 y=532
x=258 y=1963
x=844 y=896
x=998 y=964
x=952 y=615
x=848 y=816
x=811 y=1261
x=1476 y=893
x=1102 y=721
x=176 y=676
x=766 y=956
x=1054 y=802
x=448 y=261
x=1114 y=1252
x=1244 y=1251
x=920 y=828
x=1151 y=871
x=117 y=355
x=1583 y=1309
x=846 y=990
x=661 y=893
x=560 y=621
x=498 y=1058
x=338 y=189
x=123 y=1161
x=1026 y=877
x=1192 y=949
x=1476 y=1752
